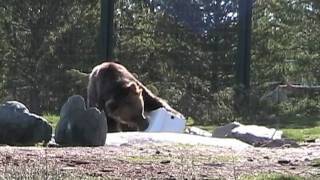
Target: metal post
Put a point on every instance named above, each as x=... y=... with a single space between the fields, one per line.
x=243 y=63
x=242 y=87
x=106 y=29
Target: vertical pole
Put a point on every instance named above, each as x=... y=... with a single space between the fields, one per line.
x=243 y=63
x=106 y=29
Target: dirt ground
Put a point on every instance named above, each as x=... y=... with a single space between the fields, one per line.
x=155 y=161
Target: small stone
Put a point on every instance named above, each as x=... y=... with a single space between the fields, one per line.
x=203 y=175
x=310 y=140
x=125 y=145
x=266 y=157
x=307 y=159
x=67 y=168
x=283 y=161
x=213 y=164
x=165 y=161
x=106 y=170
x=79 y=162
x=293 y=164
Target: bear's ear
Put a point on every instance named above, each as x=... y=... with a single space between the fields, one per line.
x=133 y=88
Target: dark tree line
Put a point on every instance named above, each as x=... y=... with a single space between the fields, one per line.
x=183 y=50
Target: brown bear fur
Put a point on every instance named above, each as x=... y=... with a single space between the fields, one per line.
x=124 y=99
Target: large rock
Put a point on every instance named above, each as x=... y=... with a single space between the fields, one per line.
x=256 y=135
x=225 y=131
x=79 y=126
x=197 y=131
x=251 y=134
x=20 y=127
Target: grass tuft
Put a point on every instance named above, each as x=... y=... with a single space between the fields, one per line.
x=271 y=176
x=52 y=118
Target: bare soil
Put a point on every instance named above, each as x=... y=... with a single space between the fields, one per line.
x=155 y=161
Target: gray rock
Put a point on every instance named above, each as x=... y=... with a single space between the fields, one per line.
x=252 y=134
x=224 y=131
x=20 y=127
x=79 y=126
x=255 y=135
x=198 y=131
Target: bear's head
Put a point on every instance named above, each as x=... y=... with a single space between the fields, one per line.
x=127 y=106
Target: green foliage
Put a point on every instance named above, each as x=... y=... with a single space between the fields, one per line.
x=183 y=50
x=283 y=48
x=224 y=109
x=41 y=41
x=305 y=106
x=52 y=118
x=185 y=65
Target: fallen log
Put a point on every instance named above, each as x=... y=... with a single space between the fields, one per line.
x=293 y=89
x=282 y=91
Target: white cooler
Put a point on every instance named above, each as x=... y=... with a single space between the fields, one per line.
x=161 y=120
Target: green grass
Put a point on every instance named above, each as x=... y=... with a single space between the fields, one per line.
x=300 y=127
x=315 y=162
x=271 y=176
x=302 y=134
x=52 y=118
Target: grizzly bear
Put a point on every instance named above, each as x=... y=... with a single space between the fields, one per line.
x=124 y=99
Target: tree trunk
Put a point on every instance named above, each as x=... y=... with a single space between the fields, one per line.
x=35 y=105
